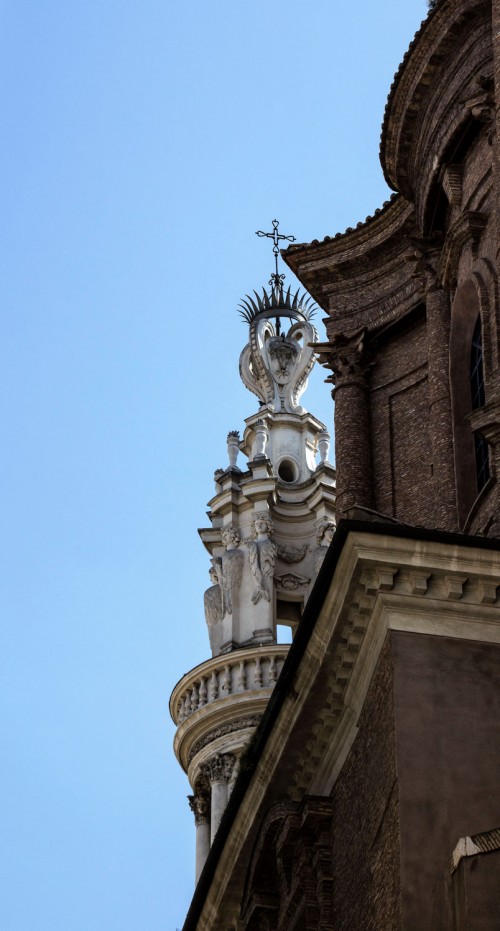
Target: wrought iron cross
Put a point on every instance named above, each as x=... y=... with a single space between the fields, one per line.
x=276 y=280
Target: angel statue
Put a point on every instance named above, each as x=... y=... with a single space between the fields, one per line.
x=325 y=529
x=262 y=557
x=231 y=567
x=212 y=602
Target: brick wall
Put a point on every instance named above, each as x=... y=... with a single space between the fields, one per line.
x=365 y=819
x=401 y=442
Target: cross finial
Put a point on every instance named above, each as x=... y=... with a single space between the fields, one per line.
x=276 y=280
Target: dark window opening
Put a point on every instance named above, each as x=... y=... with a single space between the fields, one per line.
x=477 y=401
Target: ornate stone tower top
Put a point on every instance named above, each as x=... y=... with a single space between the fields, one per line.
x=277 y=360
x=270 y=524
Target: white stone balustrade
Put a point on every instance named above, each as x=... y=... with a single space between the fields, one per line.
x=228 y=674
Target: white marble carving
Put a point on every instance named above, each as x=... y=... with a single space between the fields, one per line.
x=212 y=601
x=275 y=365
x=262 y=556
x=231 y=567
x=325 y=529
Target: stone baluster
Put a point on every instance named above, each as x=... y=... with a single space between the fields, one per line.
x=273 y=670
x=233 y=447
x=213 y=688
x=194 y=698
x=218 y=771
x=200 y=806
x=203 y=693
x=226 y=682
x=261 y=439
x=258 y=673
x=323 y=445
x=242 y=676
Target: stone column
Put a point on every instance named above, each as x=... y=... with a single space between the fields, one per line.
x=440 y=415
x=218 y=771
x=200 y=806
x=346 y=358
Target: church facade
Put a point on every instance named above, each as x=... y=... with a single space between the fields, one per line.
x=363 y=793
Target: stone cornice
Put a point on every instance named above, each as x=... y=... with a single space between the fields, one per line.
x=438 y=34
x=351 y=263
x=383 y=579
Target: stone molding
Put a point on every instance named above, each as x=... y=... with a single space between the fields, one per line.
x=239 y=725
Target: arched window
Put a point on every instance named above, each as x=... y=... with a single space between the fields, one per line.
x=477 y=401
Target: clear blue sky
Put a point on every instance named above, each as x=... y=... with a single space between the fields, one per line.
x=143 y=144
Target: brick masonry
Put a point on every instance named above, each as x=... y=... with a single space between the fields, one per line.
x=365 y=817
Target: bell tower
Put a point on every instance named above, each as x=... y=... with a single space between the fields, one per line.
x=271 y=520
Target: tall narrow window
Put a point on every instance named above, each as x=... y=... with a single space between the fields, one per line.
x=477 y=401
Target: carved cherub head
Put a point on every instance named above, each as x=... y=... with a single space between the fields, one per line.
x=261 y=524
x=325 y=529
x=213 y=573
x=230 y=537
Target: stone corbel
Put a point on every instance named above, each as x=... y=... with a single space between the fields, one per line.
x=487 y=592
x=454 y=586
x=379 y=580
x=419 y=581
x=481 y=104
x=451 y=180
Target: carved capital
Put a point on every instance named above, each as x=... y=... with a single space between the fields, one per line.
x=424 y=254
x=219 y=768
x=199 y=804
x=346 y=357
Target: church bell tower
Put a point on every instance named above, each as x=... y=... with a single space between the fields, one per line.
x=271 y=520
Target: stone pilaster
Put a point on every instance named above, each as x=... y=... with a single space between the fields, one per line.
x=199 y=804
x=346 y=358
x=219 y=772
x=495 y=12
x=440 y=415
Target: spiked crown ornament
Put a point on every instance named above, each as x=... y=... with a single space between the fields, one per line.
x=276 y=362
